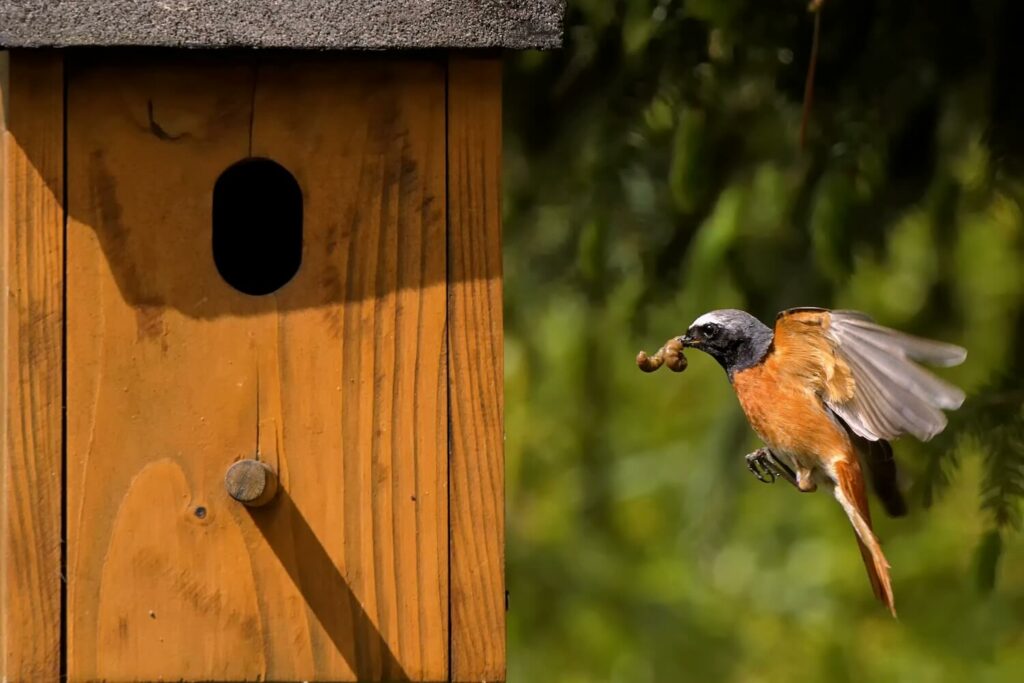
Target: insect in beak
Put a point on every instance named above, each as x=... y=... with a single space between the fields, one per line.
x=670 y=354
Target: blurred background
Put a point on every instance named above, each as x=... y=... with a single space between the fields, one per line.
x=654 y=171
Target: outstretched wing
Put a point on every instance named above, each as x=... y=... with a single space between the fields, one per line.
x=866 y=373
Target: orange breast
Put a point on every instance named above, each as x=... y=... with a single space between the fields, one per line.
x=786 y=412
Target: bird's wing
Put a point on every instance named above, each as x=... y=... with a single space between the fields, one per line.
x=866 y=374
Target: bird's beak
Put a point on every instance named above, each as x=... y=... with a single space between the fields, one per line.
x=688 y=341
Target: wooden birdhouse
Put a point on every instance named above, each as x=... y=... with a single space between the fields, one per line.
x=252 y=338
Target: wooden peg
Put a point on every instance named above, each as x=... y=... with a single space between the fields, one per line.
x=251 y=482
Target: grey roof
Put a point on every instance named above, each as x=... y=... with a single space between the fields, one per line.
x=316 y=24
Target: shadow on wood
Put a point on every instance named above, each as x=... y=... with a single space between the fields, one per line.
x=149 y=139
x=325 y=590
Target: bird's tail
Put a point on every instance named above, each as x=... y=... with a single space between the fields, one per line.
x=851 y=494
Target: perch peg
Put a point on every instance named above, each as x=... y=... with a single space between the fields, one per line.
x=251 y=482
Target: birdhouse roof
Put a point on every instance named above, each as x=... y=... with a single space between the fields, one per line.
x=301 y=24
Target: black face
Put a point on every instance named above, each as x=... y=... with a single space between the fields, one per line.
x=736 y=339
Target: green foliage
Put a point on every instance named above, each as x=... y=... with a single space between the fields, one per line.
x=989 y=551
x=653 y=172
x=1003 y=486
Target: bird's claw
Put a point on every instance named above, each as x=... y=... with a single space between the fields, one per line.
x=762 y=466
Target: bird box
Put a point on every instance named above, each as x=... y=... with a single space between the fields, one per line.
x=252 y=338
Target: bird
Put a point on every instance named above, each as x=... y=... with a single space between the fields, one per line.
x=827 y=391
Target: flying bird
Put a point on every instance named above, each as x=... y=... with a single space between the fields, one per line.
x=826 y=391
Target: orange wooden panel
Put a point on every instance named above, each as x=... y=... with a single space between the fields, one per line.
x=337 y=380
x=476 y=382
x=32 y=225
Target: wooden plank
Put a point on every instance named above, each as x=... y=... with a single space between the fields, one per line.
x=376 y=173
x=32 y=221
x=156 y=588
x=475 y=378
x=336 y=380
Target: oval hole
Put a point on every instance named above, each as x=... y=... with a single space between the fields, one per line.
x=257 y=226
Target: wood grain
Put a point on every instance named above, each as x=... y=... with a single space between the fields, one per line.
x=475 y=378
x=337 y=380
x=32 y=225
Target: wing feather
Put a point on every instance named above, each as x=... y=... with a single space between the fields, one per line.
x=867 y=374
x=882 y=474
x=894 y=361
x=939 y=354
x=884 y=407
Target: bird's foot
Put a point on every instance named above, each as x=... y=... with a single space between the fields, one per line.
x=767 y=468
x=761 y=466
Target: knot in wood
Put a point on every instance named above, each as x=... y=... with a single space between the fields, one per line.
x=251 y=482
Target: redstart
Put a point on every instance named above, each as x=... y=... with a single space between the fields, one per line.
x=826 y=391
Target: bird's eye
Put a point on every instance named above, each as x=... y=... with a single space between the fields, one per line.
x=709 y=329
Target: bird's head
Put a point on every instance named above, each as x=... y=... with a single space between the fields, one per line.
x=736 y=339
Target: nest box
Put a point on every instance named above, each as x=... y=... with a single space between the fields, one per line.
x=252 y=338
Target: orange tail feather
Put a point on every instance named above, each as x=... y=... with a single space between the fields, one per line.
x=851 y=494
